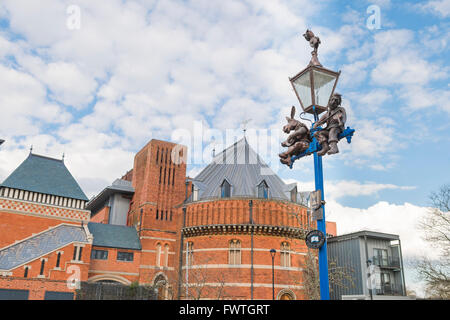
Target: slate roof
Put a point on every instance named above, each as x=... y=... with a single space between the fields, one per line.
x=45 y=175
x=41 y=244
x=244 y=169
x=114 y=236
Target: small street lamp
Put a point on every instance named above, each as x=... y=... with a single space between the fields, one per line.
x=272 y=253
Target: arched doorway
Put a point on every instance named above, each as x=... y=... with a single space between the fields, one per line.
x=286 y=295
x=161 y=285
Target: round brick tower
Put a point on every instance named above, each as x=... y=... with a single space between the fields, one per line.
x=239 y=210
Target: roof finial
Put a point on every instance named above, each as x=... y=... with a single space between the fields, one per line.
x=64 y=154
x=31 y=149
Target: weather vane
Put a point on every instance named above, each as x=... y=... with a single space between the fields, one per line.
x=244 y=125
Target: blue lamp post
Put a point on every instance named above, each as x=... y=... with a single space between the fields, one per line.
x=314 y=87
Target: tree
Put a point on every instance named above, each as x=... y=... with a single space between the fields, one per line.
x=436 y=229
x=203 y=282
x=337 y=275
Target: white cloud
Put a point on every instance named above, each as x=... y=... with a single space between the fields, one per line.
x=23 y=114
x=439 y=7
x=384 y=217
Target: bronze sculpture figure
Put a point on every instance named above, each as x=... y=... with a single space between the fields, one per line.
x=296 y=142
x=335 y=119
x=314 y=42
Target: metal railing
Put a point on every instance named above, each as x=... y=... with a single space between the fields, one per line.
x=389 y=262
x=389 y=290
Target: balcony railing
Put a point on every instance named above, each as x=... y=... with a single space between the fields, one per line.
x=389 y=290
x=389 y=262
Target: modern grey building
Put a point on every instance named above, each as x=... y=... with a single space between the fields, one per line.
x=117 y=198
x=374 y=260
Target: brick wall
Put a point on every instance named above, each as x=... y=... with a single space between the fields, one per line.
x=112 y=267
x=36 y=287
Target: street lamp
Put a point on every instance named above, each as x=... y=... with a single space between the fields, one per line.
x=272 y=253
x=314 y=86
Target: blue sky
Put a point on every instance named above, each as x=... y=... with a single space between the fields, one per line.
x=99 y=82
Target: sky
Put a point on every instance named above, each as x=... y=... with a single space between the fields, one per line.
x=97 y=81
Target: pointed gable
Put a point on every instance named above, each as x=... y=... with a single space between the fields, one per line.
x=44 y=175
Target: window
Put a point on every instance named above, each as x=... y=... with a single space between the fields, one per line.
x=58 y=259
x=294 y=195
x=158 y=255
x=166 y=255
x=77 y=251
x=263 y=190
x=194 y=193
x=25 y=273
x=157 y=214
x=225 y=189
x=99 y=254
x=380 y=257
x=190 y=254
x=235 y=252
x=124 y=256
x=385 y=279
x=285 y=255
x=41 y=272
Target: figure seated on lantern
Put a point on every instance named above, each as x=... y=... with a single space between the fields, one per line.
x=297 y=142
x=334 y=119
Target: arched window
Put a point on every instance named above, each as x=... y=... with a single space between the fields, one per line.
x=263 y=190
x=158 y=255
x=166 y=255
x=235 y=252
x=225 y=189
x=285 y=255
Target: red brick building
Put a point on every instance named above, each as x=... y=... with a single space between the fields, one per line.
x=207 y=237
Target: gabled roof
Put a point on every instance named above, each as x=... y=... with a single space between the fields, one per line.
x=244 y=169
x=114 y=236
x=45 y=175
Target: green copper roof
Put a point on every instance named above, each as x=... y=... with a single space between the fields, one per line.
x=45 y=175
x=114 y=236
